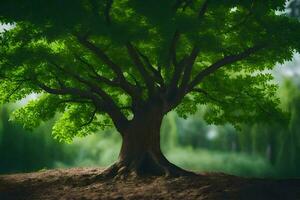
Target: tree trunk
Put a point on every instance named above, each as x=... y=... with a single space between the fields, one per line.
x=140 y=153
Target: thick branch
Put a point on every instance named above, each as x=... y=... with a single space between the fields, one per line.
x=102 y=56
x=176 y=76
x=188 y=68
x=125 y=85
x=110 y=106
x=172 y=50
x=159 y=79
x=178 y=67
x=133 y=53
x=106 y=103
x=66 y=91
x=96 y=76
x=186 y=64
x=183 y=69
x=223 y=62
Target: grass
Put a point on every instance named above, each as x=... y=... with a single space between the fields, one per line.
x=202 y=160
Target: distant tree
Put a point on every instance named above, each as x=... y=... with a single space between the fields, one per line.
x=130 y=62
x=288 y=158
x=21 y=151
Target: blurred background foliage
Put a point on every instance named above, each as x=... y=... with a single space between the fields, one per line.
x=257 y=150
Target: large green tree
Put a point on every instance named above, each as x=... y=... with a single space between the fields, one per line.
x=96 y=63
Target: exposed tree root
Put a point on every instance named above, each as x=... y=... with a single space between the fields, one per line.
x=147 y=165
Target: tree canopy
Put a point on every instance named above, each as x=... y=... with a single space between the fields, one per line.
x=99 y=63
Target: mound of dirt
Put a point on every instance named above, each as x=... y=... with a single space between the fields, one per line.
x=80 y=183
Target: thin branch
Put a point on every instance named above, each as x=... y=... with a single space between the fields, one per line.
x=125 y=85
x=22 y=79
x=155 y=72
x=96 y=76
x=175 y=94
x=139 y=86
x=172 y=50
x=140 y=67
x=186 y=64
x=223 y=62
x=108 y=6
x=201 y=91
x=126 y=108
x=107 y=106
x=86 y=63
x=102 y=56
x=258 y=104
x=113 y=83
x=176 y=76
x=74 y=101
x=65 y=91
x=188 y=68
x=92 y=86
x=91 y=119
x=203 y=9
x=14 y=90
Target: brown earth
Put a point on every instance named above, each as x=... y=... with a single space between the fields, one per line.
x=80 y=183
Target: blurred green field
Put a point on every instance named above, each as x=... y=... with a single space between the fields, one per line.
x=105 y=150
x=102 y=150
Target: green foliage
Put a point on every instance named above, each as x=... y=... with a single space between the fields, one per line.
x=44 y=108
x=49 y=51
x=75 y=121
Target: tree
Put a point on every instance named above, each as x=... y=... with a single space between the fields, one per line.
x=128 y=63
x=21 y=151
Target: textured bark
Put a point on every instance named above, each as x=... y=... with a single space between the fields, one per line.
x=140 y=153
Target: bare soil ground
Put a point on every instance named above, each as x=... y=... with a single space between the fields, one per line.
x=79 y=183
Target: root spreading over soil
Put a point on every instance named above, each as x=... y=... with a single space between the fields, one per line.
x=82 y=183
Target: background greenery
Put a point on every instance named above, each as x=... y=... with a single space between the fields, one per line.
x=260 y=150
